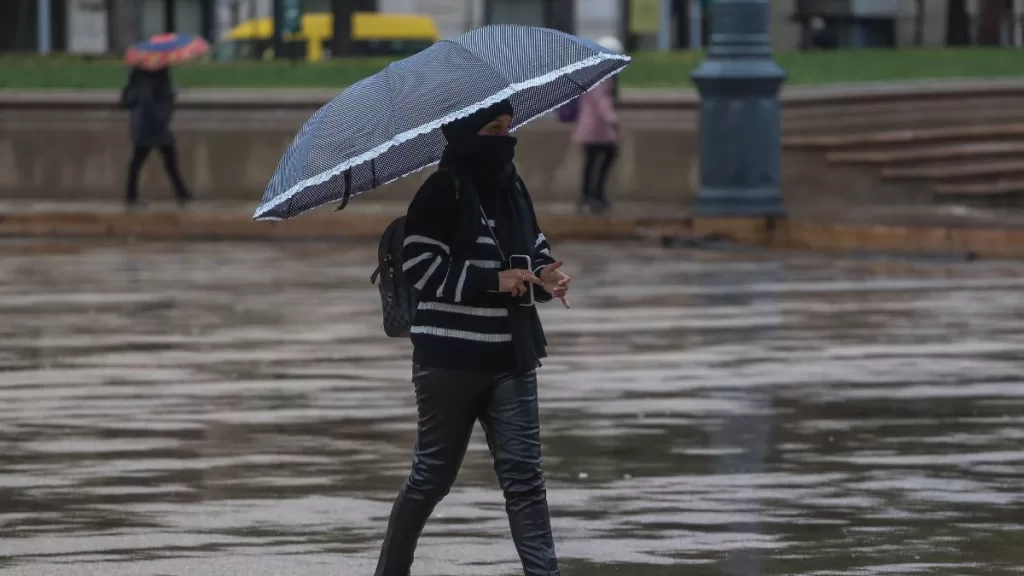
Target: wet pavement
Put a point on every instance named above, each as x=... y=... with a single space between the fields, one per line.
x=235 y=409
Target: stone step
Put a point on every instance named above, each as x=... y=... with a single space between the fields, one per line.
x=847 y=125
x=867 y=118
x=995 y=233
x=229 y=221
x=990 y=188
x=992 y=194
x=832 y=142
x=958 y=151
x=955 y=172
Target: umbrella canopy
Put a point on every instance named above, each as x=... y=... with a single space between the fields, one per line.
x=388 y=125
x=163 y=50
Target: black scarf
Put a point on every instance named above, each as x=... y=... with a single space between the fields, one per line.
x=488 y=180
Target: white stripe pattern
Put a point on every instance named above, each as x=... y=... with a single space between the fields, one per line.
x=461 y=334
x=540 y=239
x=428 y=273
x=489 y=264
x=410 y=263
x=417 y=239
x=440 y=289
x=462 y=282
x=467 y=310
x=485 y=240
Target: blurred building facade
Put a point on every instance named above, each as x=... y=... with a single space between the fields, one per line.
x=98 y=26
x=86 y=26
x=456 y=16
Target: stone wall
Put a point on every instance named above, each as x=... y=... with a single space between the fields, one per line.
x=230 y=155
x=75 y=146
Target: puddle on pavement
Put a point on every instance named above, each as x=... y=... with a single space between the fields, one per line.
x=236 y=409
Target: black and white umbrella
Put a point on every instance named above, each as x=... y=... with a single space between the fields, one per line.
x=388 y=125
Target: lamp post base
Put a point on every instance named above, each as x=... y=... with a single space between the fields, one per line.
x=739 y=202
x=740 y=116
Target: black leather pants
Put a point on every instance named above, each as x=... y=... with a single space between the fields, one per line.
x=449 y=403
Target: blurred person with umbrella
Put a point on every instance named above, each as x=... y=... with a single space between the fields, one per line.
x=597 y=132
x=470 y=248
x=150 y=97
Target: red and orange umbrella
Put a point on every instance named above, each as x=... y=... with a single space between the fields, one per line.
x=164 y=50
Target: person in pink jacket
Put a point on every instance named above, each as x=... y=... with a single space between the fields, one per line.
x=597 y=131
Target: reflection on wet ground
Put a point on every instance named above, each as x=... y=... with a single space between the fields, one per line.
x=236 y=409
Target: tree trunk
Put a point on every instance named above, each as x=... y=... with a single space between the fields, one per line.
x=990 y=20
x=562 y=15
x=469 y=15
x=342 y=41
x=919 y=23
x=958 y=26
x=341 y=44
x=124 y=24
x=25 y=30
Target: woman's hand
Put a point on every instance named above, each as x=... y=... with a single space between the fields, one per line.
x=515 y=281
x=556 y=282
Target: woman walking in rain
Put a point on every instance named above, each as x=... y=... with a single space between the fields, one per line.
x=477 y=340
x=473 y=258
x=150 y=98
x=597 y=131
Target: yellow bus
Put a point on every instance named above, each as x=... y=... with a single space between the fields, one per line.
x=373 y=34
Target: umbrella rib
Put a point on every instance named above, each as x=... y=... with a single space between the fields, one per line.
x=391 y=101
x=477 y=58
x=578 y=85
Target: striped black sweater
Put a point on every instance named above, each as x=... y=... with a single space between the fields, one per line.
x=461 y=321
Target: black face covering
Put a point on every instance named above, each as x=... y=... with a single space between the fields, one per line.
x=487 y=158
x=500 y=150
x=491 y=160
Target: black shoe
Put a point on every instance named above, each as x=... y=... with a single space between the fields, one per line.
x=134 y=205
x=596 y=207
x=184 y=201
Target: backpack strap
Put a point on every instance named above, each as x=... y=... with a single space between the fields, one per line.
x=480 y=211
x=461 y=234
x=348 y=175
x=455 y=180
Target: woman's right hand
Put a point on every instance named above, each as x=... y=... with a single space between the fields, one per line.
x=515 y=281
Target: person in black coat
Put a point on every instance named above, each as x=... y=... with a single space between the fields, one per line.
x=150 y=98
x=476 y=340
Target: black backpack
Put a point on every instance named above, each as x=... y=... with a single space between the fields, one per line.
x=397 y=296
x=397 y=300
